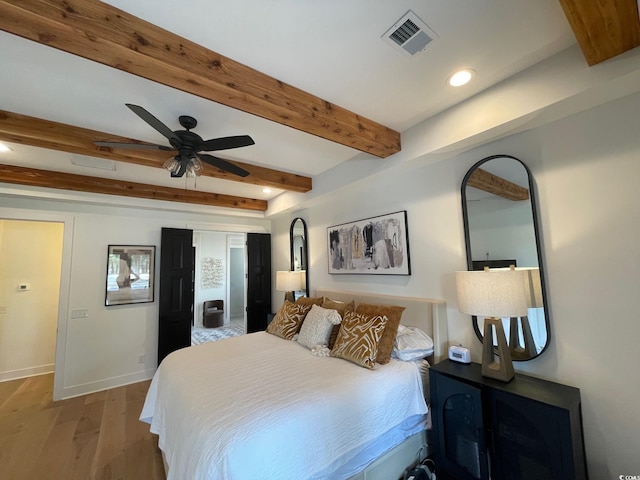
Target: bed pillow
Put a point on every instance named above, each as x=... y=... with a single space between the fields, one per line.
x=286 y=323
x=341 y=308
x=310 y=300
x=412 y=344
x=317 y=326
x=393 y=314
x=359 y=337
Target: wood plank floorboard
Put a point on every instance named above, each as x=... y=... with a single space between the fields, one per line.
x=92 y=437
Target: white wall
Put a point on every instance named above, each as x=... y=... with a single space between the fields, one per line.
x=586 y=170
x=102 y=351
x=30 y=253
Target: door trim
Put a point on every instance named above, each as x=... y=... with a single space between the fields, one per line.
x=68 y=221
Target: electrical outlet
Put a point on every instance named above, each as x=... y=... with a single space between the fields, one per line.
x=141 y=358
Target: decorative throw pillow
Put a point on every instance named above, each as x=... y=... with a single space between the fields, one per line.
x=335 y=330
x=310 y=300
x=341 y=308
x=287 y=321
x=317 y=326
x=393 y=314
x=359 y=337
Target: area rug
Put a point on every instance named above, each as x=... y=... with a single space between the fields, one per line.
x=214 y=334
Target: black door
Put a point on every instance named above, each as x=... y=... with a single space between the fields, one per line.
x=258 y=281
x=176 y=290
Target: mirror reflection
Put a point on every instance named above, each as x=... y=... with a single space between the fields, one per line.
x=299 y=254
x=501 y=231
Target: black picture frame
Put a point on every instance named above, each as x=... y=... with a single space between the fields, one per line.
x=372 y=246
x=130 y=274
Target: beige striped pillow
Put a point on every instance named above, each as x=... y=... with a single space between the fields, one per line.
x=288 y=320
x=359 y=337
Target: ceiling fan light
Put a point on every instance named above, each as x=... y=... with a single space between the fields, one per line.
x=171 y=163
x=197 y=164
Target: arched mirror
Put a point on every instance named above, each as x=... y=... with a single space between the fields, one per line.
x=501 y=229
x=298 y=242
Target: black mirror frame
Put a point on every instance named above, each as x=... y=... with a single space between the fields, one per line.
x=306 y=249
x=536 y=231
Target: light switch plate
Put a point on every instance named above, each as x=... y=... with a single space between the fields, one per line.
x=79 y=313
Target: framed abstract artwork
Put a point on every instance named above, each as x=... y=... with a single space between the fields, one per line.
x=373 y=246
x=130 y=274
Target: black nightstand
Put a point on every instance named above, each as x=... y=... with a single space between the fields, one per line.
x=484 y=428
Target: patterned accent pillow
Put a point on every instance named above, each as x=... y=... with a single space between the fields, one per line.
x=287 y=321
x=317 y=326
x=310 y=300
x=393 y=314
x=341 y=308
x=359 y=337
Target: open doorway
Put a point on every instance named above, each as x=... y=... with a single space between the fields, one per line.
x=31 y=266
x=219 y=278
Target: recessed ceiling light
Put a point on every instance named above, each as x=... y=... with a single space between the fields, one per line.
x=461 y=77
x=266 y=190
x=5 y=148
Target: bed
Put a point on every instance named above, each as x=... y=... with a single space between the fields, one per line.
x=290 y=413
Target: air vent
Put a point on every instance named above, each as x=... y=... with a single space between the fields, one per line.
x=409 y=35
x=93 y=162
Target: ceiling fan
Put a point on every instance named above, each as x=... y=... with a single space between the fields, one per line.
x=188 y=144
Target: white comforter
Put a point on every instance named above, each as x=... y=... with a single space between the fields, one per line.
x=260 y=407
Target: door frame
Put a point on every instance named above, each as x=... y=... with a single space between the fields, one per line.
x=65 y=283
x=229 y=229
x=232 y=243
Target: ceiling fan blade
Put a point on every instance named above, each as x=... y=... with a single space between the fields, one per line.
x=223 y=165
x=143 y=146
x=225 y=143
x=156 y=124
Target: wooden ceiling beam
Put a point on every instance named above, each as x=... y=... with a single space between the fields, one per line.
x=603 y=28
x=36 y=132
x=488 y=182
x=102 y=33
x=83 y=183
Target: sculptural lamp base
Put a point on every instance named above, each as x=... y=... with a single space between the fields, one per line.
x=290 y=296
x=500 y=366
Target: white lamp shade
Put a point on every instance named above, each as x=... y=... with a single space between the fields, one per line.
x=492 y=293
x=287 y=281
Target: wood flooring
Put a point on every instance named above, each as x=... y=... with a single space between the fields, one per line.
x=92 y=437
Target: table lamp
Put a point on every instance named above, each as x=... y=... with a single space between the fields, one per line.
x=493 y=295
x=290 y=282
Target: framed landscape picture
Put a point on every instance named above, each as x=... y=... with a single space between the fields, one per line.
x=374 y=246
x=130 y=274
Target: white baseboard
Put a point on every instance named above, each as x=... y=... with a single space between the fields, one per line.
x=26 y=372
x=93 y=387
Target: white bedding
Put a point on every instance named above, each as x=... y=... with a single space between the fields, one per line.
x=261 y=407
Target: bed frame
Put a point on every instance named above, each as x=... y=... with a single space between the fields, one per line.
x=430 y=316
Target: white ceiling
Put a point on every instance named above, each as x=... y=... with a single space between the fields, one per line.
x=332 y=49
